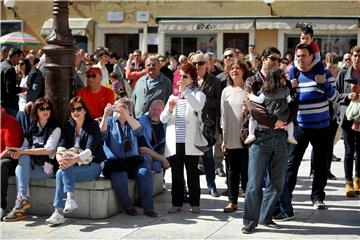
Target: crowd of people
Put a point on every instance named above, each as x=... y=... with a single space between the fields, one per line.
x=130 y=118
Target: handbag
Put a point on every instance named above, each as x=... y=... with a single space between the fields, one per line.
x=244 y=128
x=200 y=141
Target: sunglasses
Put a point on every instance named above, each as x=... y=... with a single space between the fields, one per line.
x=92 y=75
x=200 y=63
x=44 y=109
x=285 y=63
x=273 y=58
x=21 y=63
x=228 y=56
x=348 y=59
x=77 y=109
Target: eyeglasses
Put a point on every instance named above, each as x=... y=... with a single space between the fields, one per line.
x=228 y=56
x=92 y=75
x=286 y=63
x=200 y=63
x=273 y=58
x=77 y=109
x=21 y=63
x=184 y=76
x=348 y=59
x=44 y=109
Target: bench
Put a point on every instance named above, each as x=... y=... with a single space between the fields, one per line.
x=96 y=198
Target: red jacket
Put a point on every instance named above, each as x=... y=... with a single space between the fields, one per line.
x=11 y=132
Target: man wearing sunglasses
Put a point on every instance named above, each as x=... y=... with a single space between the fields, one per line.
x=94 y=94
x=135 y=68
x=154 y=85
x=228 y=56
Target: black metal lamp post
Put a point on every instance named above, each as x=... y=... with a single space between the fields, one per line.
x=59 y=62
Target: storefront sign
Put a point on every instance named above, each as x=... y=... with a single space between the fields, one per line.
x=203 y=26
x=115 y=16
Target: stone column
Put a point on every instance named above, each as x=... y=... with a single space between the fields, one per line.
x=59 y=63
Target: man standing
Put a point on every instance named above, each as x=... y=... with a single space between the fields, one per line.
x=314 y=93
x=347 y=81
x=228 y=56
x=154 y=85
x=9 y=90
x=267 y=154
x=135 y=68
x=94 y=94
x=120 y=132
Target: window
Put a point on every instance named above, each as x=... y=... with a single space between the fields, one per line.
x=237 y=40
x=187 y=44
x=81 y=42
x=339 y=44
x=122 y=44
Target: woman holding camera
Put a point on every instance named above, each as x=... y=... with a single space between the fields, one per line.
x=36 y=155
x=122 y=134
x=79 y=156
x=181 y=115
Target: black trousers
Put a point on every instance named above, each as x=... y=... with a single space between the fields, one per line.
x=237 y=161
x=352 y=145
x=7 y=167
x=177 y=172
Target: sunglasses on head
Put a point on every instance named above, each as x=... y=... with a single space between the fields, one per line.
x=44 y=109
x=91 y=75
x=200 y=63
x=273 y=58
x=77 y=109
x=228 y=56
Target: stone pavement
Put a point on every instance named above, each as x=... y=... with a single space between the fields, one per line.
x=340 y=221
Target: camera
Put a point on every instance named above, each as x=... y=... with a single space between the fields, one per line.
x=127 y=145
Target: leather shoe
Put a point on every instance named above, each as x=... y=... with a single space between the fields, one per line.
x=131 y=212
x=335 y=158
x=151 y=214
x=331 y=176
x=231 y=207
x=225 y=193
x=220 y=172
x=213 y=192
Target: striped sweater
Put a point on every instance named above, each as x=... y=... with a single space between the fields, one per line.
x=313 y=98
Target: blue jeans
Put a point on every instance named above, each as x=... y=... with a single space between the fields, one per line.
x=66 y=179
x=23 y=119
x=209 y=166
x=268 y=151
x=119 y=182
x=284 y=204
x=24 y=173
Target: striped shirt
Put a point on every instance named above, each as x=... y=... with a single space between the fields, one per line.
x=180 y=120
x=313 y=99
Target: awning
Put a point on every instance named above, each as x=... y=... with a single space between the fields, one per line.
x=204 y=25
x=78 y=26
x=317 y=24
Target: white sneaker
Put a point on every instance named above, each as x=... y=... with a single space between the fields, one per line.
x=292 y=141
x=56 y=218
x=251 y=138
x=70 y=205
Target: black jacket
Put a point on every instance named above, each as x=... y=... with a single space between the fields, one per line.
x=211 y=87
x=90 y=138
x=9 y=90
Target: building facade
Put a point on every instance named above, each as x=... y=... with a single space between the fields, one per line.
x=174 y=27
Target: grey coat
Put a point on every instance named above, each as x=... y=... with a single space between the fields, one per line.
x=344 y=87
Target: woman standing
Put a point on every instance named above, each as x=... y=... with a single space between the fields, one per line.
x=181 y=115
x=236 y=154
x=36 y=155
x=79 y=155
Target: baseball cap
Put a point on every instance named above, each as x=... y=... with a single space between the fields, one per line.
x=95 y=70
